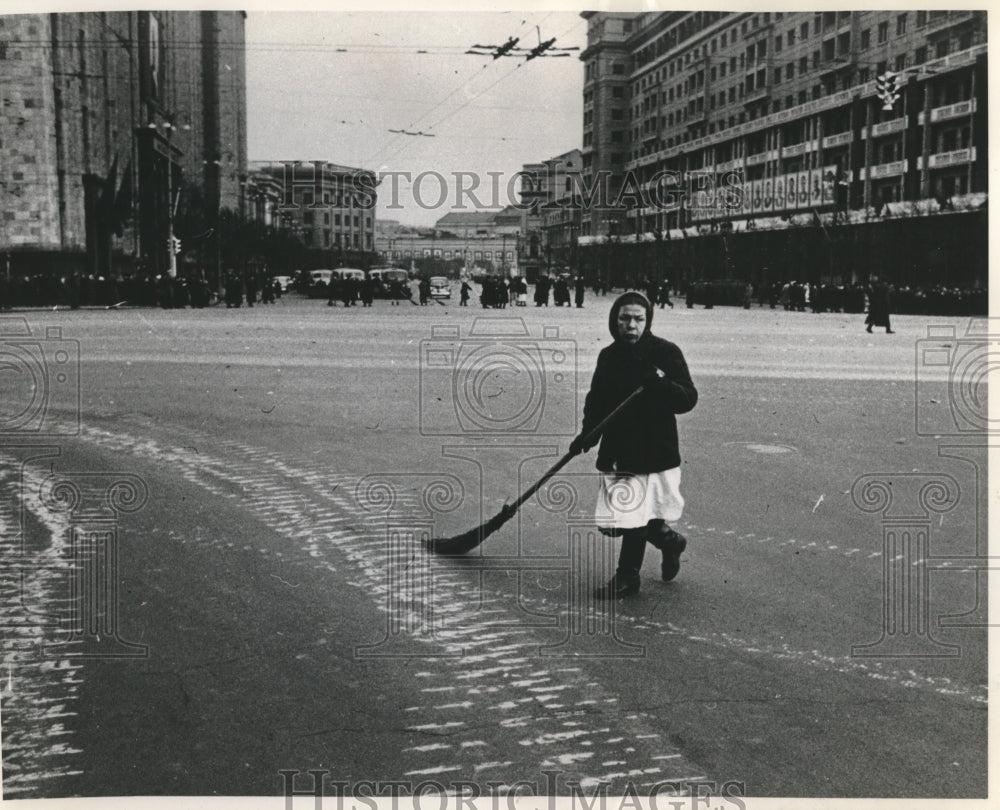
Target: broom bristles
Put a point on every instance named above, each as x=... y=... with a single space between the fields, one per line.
x=465 y=542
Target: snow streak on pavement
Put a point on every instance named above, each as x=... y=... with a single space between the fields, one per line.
x=37 y=693
x=483 y=685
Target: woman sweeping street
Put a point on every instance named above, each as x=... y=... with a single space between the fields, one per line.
x=638 y=456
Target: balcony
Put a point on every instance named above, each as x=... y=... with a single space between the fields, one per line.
x=947 y=21
x=839 y=139
x=751 y=96
x=697 y=118
x=834 y=66
x=883 y=170
x=885 y=128
x=950 y=111
x=796 y=149
x=942 y=160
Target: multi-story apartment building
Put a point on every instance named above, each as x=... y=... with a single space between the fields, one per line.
x=112 y=124
x=329 y=206
x=788 y=111
x=550 y=214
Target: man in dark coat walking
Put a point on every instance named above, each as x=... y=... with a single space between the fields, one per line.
x=878 y=306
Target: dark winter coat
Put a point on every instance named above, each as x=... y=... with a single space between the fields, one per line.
x=878 y=305
x=643 y=438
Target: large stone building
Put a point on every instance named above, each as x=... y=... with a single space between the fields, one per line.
x=115 y=127
x=329 y=207
x=823 y=118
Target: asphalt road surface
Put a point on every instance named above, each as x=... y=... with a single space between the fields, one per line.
x=212 y=526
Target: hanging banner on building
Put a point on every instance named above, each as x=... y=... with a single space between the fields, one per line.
x=714 y=197
x=780 y=200
x=757 y=192
x=829 y=186
x=768 y=195
x=802 y=197
x=815 y=188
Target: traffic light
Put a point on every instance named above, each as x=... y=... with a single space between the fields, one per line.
x=887 y=89
x=173 y=245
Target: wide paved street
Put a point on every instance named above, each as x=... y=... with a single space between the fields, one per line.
x=272 y=471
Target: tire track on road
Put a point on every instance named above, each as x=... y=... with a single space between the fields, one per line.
x=509 y=712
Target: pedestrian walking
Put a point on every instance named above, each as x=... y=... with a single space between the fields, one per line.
x=234 y=289
x=367 y=291
x=580 y=290
x=652 y=291
x=878 y=306
x=522 y=291
x=348 y=292
x=464 y=292
x=663 y=295
x=425 y=291
x=266 y=288
x=250 y=286
x=333 y=291
x=542 y=291
x=639 y=455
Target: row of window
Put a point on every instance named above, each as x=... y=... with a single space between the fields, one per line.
x=758 y=51
x=942 y=93
x=831 y=50
x=308 y=218
x=336 y=199
x=448 y=254
x=335 y=241
x=757 y=82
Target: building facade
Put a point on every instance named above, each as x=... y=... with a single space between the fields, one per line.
x=459 y=243
x=114 y=127
x=709 y=121
x=327 y=205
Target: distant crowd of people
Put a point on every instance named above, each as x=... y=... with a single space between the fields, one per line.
x=257 y=286
x=252 y=286
x=797 y=296
x=75 y=290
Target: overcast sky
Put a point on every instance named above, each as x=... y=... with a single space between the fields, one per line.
x=329 y=86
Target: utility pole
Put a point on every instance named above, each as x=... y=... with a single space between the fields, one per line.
x=171 y=213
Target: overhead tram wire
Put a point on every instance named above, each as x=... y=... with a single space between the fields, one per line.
x=486 y=90
x=408 y=141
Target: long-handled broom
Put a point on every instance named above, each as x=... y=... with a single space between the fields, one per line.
x=465 y=542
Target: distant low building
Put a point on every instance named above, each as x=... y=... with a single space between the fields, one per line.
x=486 y=247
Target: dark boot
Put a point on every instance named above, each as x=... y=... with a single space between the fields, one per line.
x=625 y=582
x=672 y=544
x=622 y=584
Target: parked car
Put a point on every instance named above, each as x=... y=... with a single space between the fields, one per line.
x=384 y=278
x=319 y=283
x=349 y=272
x=284 y=283
x=440 y=287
